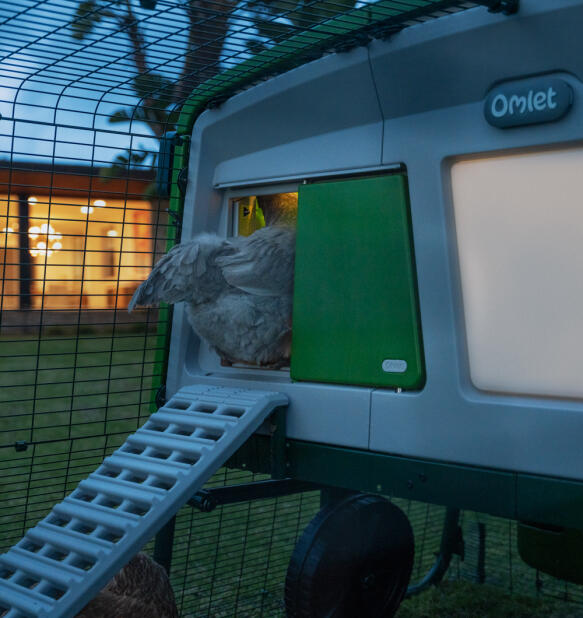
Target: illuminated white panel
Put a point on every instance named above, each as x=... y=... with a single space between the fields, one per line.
x=519 y=226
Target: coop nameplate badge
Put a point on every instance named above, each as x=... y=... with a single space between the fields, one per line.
x=528 y=101
x=394 y=365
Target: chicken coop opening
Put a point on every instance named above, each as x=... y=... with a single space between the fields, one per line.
x=353 y=258
x=239 y=304
x=252 y=212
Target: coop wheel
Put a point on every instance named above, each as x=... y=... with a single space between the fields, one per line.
x=353 y=559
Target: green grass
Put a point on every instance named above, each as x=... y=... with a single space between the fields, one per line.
x=73 y=399
x=463 y=599
x=67 y=387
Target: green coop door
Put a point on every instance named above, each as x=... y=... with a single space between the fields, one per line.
x=355 y=315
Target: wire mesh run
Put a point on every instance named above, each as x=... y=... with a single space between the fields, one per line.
x=233 y=561
x=87 y=90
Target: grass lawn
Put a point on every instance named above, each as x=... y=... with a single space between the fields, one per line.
x=73 y=399
x=463 y=599
x=65 y=387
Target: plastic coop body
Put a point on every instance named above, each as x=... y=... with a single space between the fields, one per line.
x=438 y=182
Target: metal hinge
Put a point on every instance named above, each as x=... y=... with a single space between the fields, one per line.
x=168 y=143
x=160 y=398
x=508 y=7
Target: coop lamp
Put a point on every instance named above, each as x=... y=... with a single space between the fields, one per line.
x=50 y=240
x=6 y=239
x=89 y=209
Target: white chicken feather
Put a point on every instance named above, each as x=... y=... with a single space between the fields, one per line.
x=238 y=292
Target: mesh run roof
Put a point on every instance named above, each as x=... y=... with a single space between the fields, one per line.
x=88 y=79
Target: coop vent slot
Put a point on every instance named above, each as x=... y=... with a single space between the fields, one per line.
x=71 y=554
x=178 y=405
x=162 y=483
x=201 y=407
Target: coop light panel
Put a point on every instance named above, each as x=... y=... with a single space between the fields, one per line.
x=519 y=227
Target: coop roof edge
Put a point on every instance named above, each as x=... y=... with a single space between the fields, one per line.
x=341 y=33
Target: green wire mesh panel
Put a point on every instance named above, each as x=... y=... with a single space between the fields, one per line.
x=87 y=90
x=233 y=560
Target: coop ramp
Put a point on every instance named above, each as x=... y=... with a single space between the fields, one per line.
x=63 y=561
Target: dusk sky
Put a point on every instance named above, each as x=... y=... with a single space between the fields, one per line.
x=56 y=93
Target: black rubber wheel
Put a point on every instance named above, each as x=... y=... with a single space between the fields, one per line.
x=354 y=559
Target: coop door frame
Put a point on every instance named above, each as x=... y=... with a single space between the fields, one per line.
x=205 y=360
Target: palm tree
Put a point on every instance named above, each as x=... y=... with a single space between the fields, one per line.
x=157 y=95
x=207 y=27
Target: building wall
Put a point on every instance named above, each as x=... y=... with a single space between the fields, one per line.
x=88 y=247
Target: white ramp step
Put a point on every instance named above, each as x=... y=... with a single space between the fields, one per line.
x=63 y=561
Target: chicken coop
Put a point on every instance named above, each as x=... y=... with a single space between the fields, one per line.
x=426 y=404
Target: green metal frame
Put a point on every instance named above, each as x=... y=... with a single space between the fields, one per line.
x=504 y=494
x=512 y=495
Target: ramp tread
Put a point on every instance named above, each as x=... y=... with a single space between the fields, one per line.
x=70 y=555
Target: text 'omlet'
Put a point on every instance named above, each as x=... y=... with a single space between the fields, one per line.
x=528 y=101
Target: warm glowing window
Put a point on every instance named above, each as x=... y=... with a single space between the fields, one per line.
x=9 y=279
x=519 y=225
x=84 y=253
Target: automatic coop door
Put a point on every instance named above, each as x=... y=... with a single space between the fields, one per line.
x=355 y=316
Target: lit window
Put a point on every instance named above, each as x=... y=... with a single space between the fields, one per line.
x=518 y=221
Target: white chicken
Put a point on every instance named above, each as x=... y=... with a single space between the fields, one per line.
x=238 y=292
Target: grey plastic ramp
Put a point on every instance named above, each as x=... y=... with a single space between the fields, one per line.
x=63 y=561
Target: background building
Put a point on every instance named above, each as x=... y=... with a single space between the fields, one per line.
x=71 y=239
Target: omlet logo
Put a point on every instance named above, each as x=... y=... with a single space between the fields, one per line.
x=540 y=100
x=529 y=101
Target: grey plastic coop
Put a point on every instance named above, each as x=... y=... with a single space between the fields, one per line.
x=437 y=326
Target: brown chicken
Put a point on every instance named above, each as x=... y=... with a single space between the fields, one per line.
x=140 y=590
